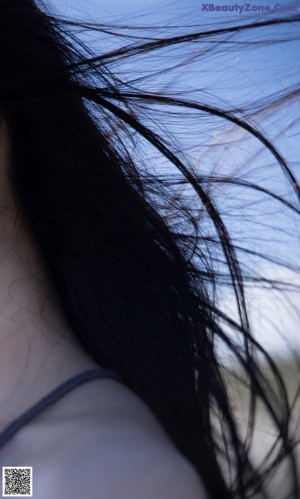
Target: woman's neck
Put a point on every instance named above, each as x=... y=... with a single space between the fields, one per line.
x=37 y=347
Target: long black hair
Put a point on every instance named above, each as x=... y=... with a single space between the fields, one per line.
x=137 y=272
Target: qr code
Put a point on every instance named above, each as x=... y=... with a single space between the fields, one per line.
x=17 y=481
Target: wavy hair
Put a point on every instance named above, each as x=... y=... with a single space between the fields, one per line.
x=138 y=269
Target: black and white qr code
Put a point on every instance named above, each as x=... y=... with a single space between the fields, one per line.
x=17 y=481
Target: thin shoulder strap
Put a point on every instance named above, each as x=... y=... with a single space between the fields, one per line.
x=53 y=396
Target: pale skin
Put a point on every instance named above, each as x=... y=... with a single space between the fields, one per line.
x=101 y=440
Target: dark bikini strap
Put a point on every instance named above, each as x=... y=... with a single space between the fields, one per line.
x=53 y=396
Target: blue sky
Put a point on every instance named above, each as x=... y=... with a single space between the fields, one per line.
x=234 y=77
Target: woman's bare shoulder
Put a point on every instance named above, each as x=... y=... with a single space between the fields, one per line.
x=128 y=464
x=118 y=449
